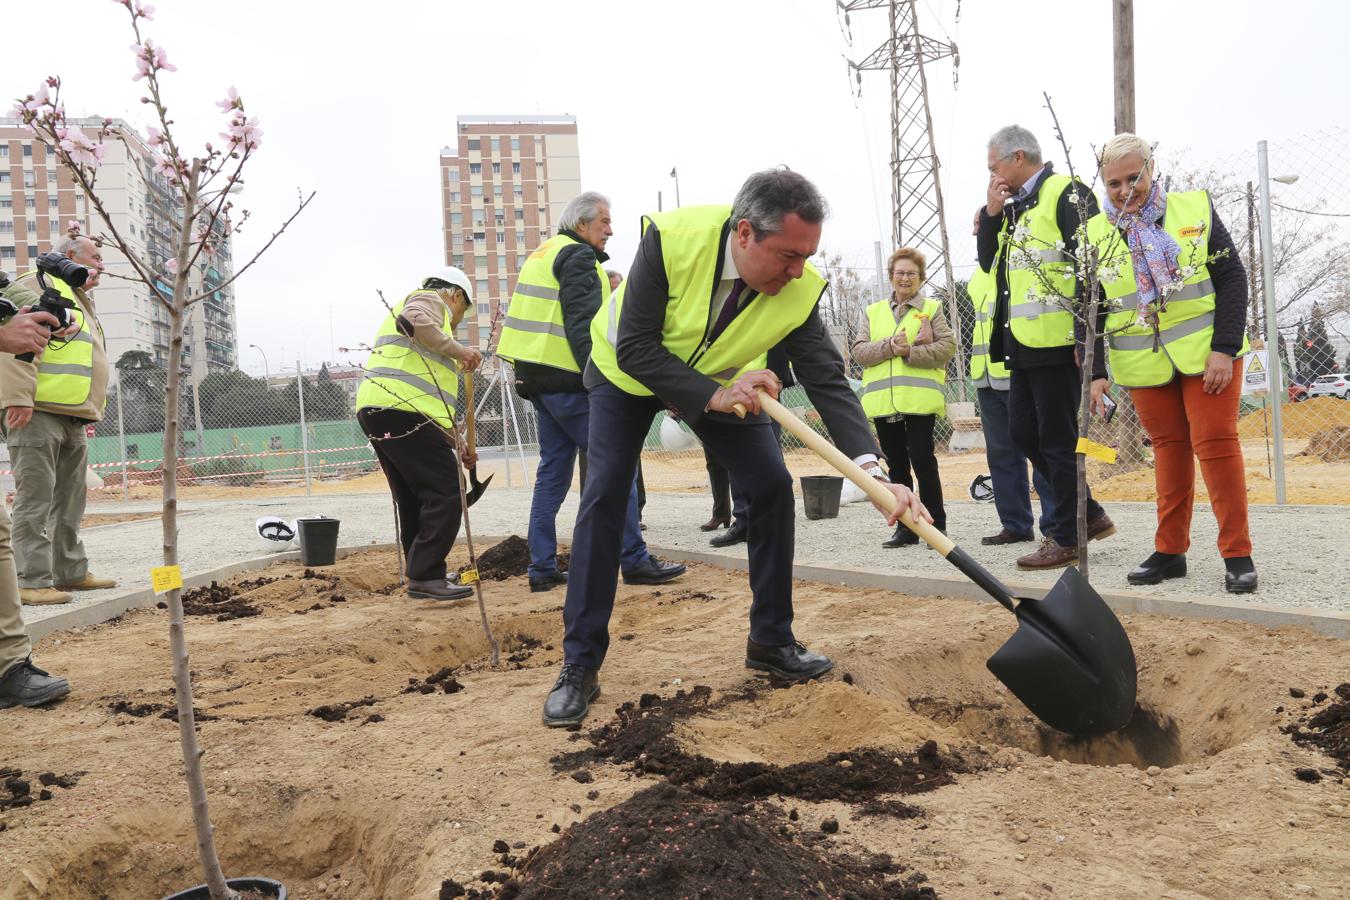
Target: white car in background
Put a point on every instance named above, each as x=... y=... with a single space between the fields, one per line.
x=1330 y=386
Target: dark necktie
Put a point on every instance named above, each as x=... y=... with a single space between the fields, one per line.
x=729 y=310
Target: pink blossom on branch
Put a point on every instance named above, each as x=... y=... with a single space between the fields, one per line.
x=243 y=131
x=81 y=149
x=231 y=101
x=154 y=137
x=145 y=12
x=29 y=106
x=171 y=266
x=149 y=59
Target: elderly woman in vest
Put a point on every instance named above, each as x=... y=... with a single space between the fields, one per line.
x=904 y=360
x=1176 y=304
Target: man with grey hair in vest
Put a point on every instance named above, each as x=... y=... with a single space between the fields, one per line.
x=48 y=403
x=1032 y=333
x=546 y=335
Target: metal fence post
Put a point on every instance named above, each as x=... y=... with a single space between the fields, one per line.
x=304 y=432
x=506 y=456
x=122 y=441
x=1273 y=367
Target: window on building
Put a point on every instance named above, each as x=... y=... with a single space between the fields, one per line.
x=475 y=168
x=520 y=260
x=519 y=192
x=6 y=252
x=496 y=168
x=29 y=179
x=476 y=190
x=32 y=251
x=52 y=203
x=483 y=309
x=454 y=196
x=496 y=190
x=501 y=218
x=501 y=262
x=32 y=226
x=457 y=260
x=515 y=144
x=4 y=151
x=6 y=227
x=478 y=217
x=6 y=202
x=480 y=236
x=30 y=203
x=27 y=150
x=481 y=287
x=475 y=144
x=457 y=218
x=4 y=177
x=520 y=215
x=452 y=173
x=515 y=168
x=480 y=262
x=501 y=238
x=520 y=238
x=51 y=176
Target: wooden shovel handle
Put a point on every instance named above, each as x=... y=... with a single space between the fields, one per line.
x=850 y=470
x=471 y=437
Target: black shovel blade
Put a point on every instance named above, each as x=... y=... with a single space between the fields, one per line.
x=1070 y=660
x=476 y=487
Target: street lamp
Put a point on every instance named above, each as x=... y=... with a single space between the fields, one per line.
x=1274 y=372
x=266 y=371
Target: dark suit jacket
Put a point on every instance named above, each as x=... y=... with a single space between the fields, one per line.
x=816 y=361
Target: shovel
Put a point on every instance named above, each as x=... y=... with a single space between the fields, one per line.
x=1070 y=661
x=476 y=487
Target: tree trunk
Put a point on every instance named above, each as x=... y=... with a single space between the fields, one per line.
x=182 y=673
x=1085 y=411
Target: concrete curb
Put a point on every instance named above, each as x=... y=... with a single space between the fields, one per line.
x=1331 y=624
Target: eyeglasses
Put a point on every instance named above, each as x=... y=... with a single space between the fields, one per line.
x=905 y=275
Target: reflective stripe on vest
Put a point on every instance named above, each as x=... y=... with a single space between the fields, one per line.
x=693 y=241
x=533 y=329
x=1036 y=319
x=1139 y=356
x=405 y=376
x=894 y=386
x=984 y=371
x=65 y=370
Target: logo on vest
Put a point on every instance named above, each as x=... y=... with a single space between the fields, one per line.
x=1191 y=231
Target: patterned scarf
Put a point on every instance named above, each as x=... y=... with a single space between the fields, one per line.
x=1152 y=250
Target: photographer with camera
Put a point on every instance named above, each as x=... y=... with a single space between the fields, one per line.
x=48 y=401
x=21 y=682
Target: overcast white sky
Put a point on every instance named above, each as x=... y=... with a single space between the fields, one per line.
x=356 y=101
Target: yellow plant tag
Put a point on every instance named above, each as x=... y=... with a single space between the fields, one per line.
x=165 y=578
x=468 y=576
x=1096 y=451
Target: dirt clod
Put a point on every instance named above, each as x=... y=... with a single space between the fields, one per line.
x=223 y=602
x=336 y=712
x=509 y=559
x=830 y=825
x=451 y=889
x=1328 y=730
x=582 y=776
x=500 y=846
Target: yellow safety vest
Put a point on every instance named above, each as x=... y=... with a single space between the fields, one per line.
x=65 y=372
x=410 y=378
x=1138 y=356
x=692 y=243
x=1037 y=317
x=533 y=328
x=985 y=372
x=894 y=386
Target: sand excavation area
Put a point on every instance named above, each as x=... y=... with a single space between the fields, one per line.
x=360 y=745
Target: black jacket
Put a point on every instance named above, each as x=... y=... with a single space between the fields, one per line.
x=580 y=293
x=816 y=361
x=1002 y=344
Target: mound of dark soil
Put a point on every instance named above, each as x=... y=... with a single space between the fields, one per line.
x=641 y=736
x=509 y=559
x=336 y=712
x=666 y=842
x=1328 y=730
x=221 y=601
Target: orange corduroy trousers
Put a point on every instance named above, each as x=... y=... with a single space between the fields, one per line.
x=1185 y=423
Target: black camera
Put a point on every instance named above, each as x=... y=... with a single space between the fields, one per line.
x=51 y=301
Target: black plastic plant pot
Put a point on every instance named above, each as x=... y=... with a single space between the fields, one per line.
x=265 y=886
x=318 y=540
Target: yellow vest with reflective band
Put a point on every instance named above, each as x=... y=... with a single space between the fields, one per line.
x=533 y=328
x=1038 y=318
x=65 y=372
x=986 y=372
x=1138 y=357
x=692 y=242
x=894 y=386
x=409 y=378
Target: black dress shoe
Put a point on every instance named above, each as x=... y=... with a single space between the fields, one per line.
x=547 y=582
x=653 y=571
x=27 y=685
x=736 y=534
x=572 y=695
x=715 y=523
x=790 y=662
x=1006 y=537
x=1239 y=575
x=1157 y=568
x=903 y=537
x=438 y=590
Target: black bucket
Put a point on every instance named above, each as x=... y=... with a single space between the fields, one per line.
x=318 y=540
x=265 y=886
x=820 y=495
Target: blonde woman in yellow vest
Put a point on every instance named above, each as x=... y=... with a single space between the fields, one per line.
x=406 y=407
x=1176 y=314
x=904 y=360
x=49 y=404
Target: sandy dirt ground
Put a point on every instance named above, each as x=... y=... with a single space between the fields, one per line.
x=411 y=775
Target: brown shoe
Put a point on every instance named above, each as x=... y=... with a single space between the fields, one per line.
x=715 y=523
x=1049 y=555
x=1006 y=537
x=43 y=596
x=1101 y=527
x=88 y=583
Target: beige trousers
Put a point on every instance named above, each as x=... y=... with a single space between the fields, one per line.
x=14 y=645
x=48 y=457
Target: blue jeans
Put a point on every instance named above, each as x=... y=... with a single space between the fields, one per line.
x=1008 y=469
x=564 y=423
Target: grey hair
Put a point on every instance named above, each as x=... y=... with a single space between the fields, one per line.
x=610 y=273
x=767 y=197
x=1011 y=138
x=66 y=243
x=581 y=209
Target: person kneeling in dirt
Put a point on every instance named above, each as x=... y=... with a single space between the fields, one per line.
x=711 y=290
x=21 y=682
x=406 y=407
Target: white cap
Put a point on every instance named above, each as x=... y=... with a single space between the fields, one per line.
x=453 y=275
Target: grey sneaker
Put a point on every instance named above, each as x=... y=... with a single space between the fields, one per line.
x=25 y=684
x=438 y=590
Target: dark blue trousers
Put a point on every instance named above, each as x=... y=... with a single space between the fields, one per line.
x=619 y=422
x=1008 y=468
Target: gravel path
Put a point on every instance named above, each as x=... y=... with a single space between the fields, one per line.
x=1300 y=551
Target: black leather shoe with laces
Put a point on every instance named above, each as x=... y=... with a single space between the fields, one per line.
x=27 y=685
x=1158 y=568
x=572 y=695
x=653 y=571
x=790 y=662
